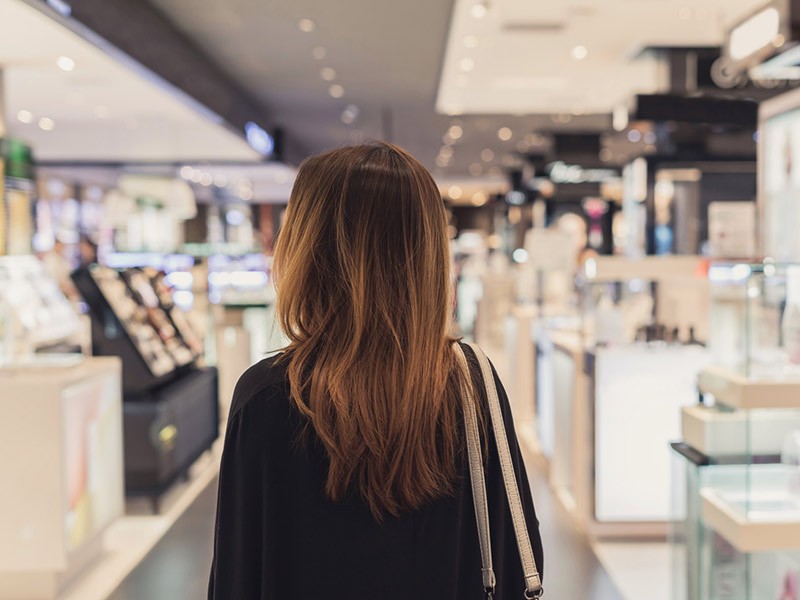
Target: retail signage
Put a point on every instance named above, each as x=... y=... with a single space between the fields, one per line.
x=560 y=172
x=259 y=139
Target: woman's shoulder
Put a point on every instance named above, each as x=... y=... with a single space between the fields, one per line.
x=264 y=382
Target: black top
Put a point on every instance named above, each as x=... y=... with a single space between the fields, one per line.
x=279 y=538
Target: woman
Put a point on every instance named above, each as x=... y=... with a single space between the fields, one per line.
x=344 y=473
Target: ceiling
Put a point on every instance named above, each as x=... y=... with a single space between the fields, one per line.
x=399 y=64
x=102 y=109
x=570 y=56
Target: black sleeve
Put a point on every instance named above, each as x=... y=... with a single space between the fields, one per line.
x=240 y=554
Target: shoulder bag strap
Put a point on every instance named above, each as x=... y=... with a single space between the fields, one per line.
x=533 y=583
x=476 y=475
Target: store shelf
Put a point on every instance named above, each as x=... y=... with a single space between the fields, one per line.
x=719 y=433
x=737 y=391
x=763 y=530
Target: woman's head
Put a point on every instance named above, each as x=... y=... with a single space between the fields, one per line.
x=362 y=273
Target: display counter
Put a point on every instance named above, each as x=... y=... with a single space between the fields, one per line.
x=62 y=472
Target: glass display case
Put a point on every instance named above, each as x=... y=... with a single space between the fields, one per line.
x=742 y=498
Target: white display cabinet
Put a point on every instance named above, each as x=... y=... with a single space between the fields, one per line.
x=61 y=474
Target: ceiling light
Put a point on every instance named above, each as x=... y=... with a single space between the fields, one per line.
x=25 y=116
x=446 y=151
x=206 y=179
x=455 y=132
x=442 y=162
x=470 y=41
x=754 y=34
x=65 y=63
x=635 y=136
x=478 y=10
x=475 y=169
x=447 y=140
x=487 y=155
x=454 y=192
x=101 y=112
x=319 y=52
x=47 y=124
x=307 y=25
x=246 y=194
x=197 y=175
x=328 y=74
x=349 y=114
x=186 y=172
x=504 y=133
x=579 y=52
x=336 y=91
x=220 y=180
x=467 y=64
x=478 y=199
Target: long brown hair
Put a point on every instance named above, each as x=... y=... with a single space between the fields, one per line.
x=363 y=294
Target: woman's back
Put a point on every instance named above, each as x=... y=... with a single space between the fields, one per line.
x=283 y=539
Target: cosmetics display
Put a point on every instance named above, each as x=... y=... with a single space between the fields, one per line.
x=34 y=313
x=171 y=411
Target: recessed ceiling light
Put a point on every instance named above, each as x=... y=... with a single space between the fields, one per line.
x=319 y=52
x=467 y=64
x=101 y=112
x=25 y=116
x=470 y=41
x=579 y=52
x=197 y=175
x=220 y=180
x=446 y=151
x=186 y=172
x=442 y=161
x=206 y=179
x=336 y=91
x=447 y=139
x=246 y=194
x=454 y=192
x=307 y=25
x=475 y=169
x=65 y=63
x=487 y=155
x=478 y=10
x=635 y=136
x=478 y=199
x=47 y=124
x=504 y=133
x=328 y=74
x=455 y=132
x=349 y=114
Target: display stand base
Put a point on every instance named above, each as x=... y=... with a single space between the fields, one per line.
x=48 y=585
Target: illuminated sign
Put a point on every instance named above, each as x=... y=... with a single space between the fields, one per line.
x=259 y=140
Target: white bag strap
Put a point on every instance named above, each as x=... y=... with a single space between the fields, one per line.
x=476 y=475
x=533 y=583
